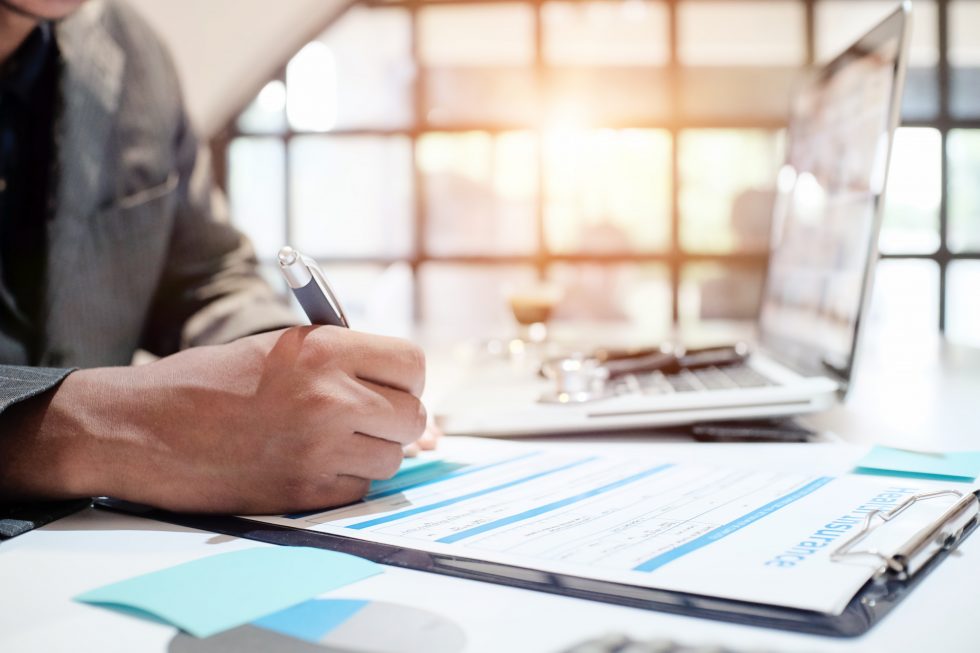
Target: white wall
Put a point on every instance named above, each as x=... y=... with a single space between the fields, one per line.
x=226 y=49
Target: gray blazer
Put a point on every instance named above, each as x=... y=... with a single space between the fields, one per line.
x=140 y=252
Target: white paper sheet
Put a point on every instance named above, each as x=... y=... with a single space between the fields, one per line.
x=758 y=536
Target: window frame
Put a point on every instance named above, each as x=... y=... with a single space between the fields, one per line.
x=675 y=259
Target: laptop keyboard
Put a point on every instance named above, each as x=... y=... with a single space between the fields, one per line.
x=727 y=377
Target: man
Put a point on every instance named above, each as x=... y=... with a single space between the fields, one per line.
x=111 y=240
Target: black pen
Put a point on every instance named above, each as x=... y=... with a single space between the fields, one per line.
x=311 y=289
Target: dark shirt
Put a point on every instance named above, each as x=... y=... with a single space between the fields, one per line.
x=28 y=93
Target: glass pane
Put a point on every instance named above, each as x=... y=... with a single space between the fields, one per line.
x=911 y=224
x=741 y=33
x=267 y=112
x=962 y=307
x=710 y=291
x=257 y=192
x=311 y=89
x=351 y=196
x=480 y=192
x=904 y=303
x=638 y=294
x=727 y=93
x=357 y=74
x=478 y=35
x=964 y=92
x=371 y=51
x=726 y=190
x=839 y=23
x=607 y=190
x=605 y=33
x=964 y=57
x=376 y=298
x=470 y=299
x=921 y=97
x=963 y=148
x=607 y=96
x=496 y=96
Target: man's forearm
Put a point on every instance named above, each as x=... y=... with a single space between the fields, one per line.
x=278 y=422
x=44 y=444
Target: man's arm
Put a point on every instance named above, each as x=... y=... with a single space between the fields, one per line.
x=289 y=420
x=210 y=291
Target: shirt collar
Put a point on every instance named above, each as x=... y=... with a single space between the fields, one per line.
x=21 y=72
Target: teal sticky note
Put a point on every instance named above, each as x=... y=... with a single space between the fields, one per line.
x=415 y=471
x=213 y=594
x=411 y=465
x=953 y=466
x=311 y=620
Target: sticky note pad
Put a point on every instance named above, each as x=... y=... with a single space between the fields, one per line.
x=954 y=466
x=213 y=594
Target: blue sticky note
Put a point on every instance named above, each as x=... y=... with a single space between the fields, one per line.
x=410 y=465
x=213 y=594
x=311 y=620
x=414 y=471
x=952 y=466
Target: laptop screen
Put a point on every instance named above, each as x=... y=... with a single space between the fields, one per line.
x=828 y=207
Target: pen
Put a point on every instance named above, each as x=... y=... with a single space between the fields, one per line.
x=305 y=278
x=311 y=289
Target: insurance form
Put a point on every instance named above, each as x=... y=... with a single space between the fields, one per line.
x=758 y=536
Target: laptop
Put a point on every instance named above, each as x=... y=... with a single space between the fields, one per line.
x=823 y=250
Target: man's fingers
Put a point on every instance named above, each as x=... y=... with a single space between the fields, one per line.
x=368 y=457
x=430 y=438
x=388 y=361
x=390 y=414
x=341 y=491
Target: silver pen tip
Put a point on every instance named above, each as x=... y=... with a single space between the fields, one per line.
x=287 y=255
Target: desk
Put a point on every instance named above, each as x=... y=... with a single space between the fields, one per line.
x=924 y=395
x=922 y=399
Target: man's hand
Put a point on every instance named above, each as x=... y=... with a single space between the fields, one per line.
x=283 y=421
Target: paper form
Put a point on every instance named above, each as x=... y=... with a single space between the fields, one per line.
x=757 y=536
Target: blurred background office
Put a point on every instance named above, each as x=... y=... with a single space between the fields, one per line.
x=432 y=153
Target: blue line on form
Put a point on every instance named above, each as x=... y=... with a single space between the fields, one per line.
x=462 y=472
x=534 y=512
x=722 y=531
x=384 y=493
x=448 y=502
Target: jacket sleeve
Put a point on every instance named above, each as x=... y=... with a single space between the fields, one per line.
x=210 y=291
x=20 y=383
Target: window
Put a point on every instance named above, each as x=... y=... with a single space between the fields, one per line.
x=351 y=197
x=914 y=193
x=720 y=33
x=607 y=191
x=625 y=149
x=481 y=191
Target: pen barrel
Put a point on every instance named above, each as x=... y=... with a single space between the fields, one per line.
x=316 y=305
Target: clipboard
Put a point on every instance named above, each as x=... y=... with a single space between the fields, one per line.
x=897 y=575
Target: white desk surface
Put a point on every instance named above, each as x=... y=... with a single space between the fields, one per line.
x=933 y=405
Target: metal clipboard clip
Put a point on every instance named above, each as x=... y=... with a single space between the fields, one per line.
x=938 y=536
